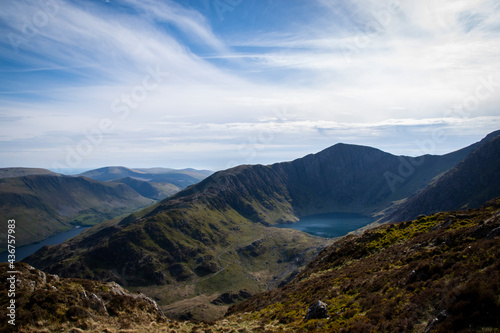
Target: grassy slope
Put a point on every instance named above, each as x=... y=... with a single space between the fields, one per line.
x=155 y=191
x=176 y=243
x=227 y=254
x=43 y=205
x=47 y=303
x=397 y=277
x=20 y=172
x=209 y=242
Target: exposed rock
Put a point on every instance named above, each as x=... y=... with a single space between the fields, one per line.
x=230 y=298
x=206 y=268
x=97 y=304
x=444 y=225
x=75 y=330
x=440 y=317
x=493 y=233
x=318 y=310
x=255 y=249
x=75 y=300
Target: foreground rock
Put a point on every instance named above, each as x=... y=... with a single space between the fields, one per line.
x=318 y=310
x=48 y=302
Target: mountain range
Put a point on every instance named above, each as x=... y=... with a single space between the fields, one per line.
x=153 y=183
x=45 y=203
x=213 y=241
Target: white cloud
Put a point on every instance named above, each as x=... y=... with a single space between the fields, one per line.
x=335 y=81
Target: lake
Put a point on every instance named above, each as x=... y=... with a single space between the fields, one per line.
x=26 y=250
x=329 y=225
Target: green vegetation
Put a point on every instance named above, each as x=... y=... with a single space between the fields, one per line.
x=439 y=273
x=397 y=277
x=44 y=205
x=45 y=302
x=214 y=238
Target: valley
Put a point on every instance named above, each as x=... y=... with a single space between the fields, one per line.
x=47 y=203
x=214 y=240
x=437 y=273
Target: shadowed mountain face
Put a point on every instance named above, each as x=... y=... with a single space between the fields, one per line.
x=347 y=178
x=469 y=184
x=214 y=237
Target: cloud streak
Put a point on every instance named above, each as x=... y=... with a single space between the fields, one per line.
x=363 y=72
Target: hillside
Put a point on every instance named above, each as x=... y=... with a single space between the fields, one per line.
x=152 y=190
x=196 y=245
x=45 y=302
x=20 y=172
x=350 y=178
x=436 y=274
x=44 y=205
x=469 y=184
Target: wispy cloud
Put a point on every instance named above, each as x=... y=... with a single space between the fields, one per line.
x=346 y=70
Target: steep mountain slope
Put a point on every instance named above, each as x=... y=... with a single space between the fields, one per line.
x=349 y=178
x=205 y=242
x=43 y=205
x=439 y=273
x=469 y=184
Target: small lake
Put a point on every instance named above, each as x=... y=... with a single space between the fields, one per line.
x=26 y=250
x=329 y=225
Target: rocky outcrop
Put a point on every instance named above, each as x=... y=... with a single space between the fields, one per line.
x=45 y=299
x=318 y=310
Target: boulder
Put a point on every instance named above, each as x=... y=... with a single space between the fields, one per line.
x=318 y=310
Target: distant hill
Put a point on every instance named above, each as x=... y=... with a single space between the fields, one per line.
x=180 y=178
x=46 y=204
x=153 y=183
x=436 y=274
x=19 y=172
x=152 y=190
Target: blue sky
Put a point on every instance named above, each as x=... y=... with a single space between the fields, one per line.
x=217 y=83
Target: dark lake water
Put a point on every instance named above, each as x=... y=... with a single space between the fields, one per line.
x=24 y=251
x=329 y=225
